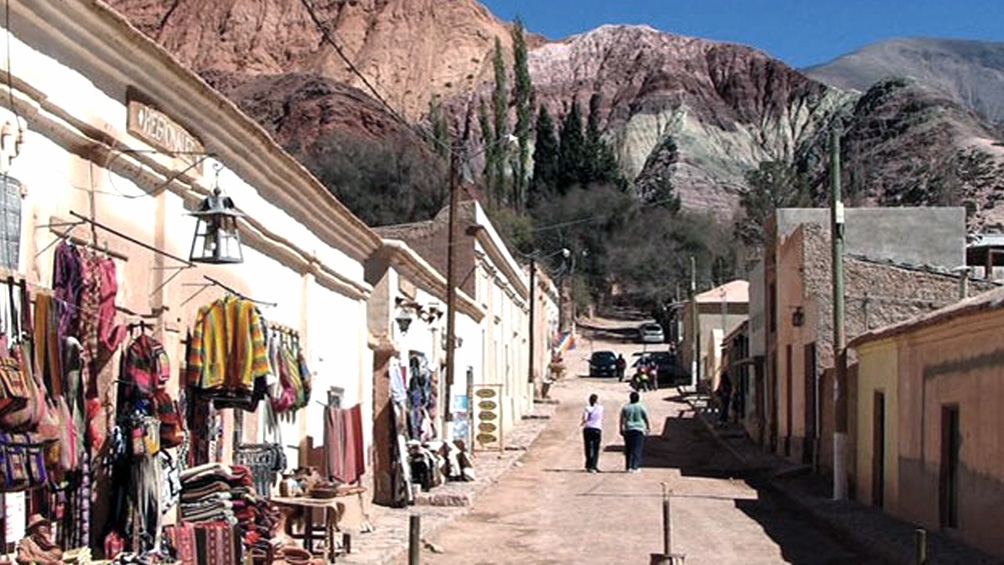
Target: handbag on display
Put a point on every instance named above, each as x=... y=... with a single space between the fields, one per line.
x=28 y=416
x=172 y=428
x=13 y=388
x=265 y=460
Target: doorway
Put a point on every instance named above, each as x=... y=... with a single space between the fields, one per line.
x=878 y=450
x=948 y=501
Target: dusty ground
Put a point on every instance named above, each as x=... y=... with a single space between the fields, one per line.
x=549 y=510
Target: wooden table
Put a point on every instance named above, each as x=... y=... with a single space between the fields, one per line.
x=308 y=505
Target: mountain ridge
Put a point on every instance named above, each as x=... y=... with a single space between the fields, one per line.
x=692 y=113
x=970 y=71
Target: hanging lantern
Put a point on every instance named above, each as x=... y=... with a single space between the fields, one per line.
x=216 y=237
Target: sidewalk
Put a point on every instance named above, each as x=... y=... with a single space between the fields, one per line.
x=388 y=541
x=852 y=523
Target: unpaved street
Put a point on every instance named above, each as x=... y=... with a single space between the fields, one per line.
x=549 y=510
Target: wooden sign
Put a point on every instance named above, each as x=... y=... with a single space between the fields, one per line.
x=160 y=131
x=488 y=417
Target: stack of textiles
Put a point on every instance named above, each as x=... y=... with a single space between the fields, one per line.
x=79 y=555
x=220 y=502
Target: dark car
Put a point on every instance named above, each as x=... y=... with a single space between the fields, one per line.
x=603 y=364
x=668 y=370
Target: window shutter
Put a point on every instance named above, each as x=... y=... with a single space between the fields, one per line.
x=10 y=222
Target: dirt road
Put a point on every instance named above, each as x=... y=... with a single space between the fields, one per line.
x=549 y=510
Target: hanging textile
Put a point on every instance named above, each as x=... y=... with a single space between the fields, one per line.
x=227 y=351
x=146 y=423
x=421 y=399
x=67 y=283
x=343 y=444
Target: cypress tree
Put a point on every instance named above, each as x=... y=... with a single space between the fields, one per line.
x=500 y=106
x=440 y=131
x=600 y=164
x=488 y=142
x=571 y=150
x=523 y=100
x=545 y=160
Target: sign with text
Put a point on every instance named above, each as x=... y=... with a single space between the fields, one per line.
x=159 y=130
x=488 y=417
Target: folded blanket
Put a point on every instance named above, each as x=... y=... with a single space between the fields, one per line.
x=188 y=494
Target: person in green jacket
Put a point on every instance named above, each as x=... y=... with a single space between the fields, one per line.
x=634 y=427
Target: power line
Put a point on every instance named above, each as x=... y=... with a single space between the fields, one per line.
x=327 y=37
x=421 y=132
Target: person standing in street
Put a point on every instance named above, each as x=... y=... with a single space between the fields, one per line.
x=592 y=433
x=634 y=427
x=621 y=366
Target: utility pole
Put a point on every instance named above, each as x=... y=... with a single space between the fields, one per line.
x=695 y=365
x=532 y=337
x=839 y=339
x=451 y=278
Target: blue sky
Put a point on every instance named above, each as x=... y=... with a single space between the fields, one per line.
x=799 y=32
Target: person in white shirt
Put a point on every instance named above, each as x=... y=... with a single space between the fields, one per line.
x=592 y=432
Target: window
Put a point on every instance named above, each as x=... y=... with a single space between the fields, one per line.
x=10 y=222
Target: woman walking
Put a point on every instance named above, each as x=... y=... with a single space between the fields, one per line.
x=592 y=433
x=634 y=427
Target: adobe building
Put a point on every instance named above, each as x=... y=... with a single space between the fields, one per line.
x=928 y=420
x=108 y=147
x=499 y=344
x=718 y=312
x=891 y=273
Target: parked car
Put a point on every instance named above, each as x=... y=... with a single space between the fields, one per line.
x=668 y=370
x=603 y=364
x=651 y=332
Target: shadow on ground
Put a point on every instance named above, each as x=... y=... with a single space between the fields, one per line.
x=683 y=442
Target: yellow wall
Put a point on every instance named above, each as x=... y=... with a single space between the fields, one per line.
x=878 y=371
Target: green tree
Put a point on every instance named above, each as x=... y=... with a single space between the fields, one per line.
x=382 y=181
x=545 y=160
x=600 y=164
x=440 y=131
x=523 y=101
x=772 y=185
x=571 y=150
x=496 y=151
x=488 y=142
x=584 y=221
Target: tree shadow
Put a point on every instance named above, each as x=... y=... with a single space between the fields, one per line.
x=683 y=442
x=800 y=541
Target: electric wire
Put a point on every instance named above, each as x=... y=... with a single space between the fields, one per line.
x=418 y=130
x=329 y=39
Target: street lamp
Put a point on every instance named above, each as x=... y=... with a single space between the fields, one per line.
x=216 y=239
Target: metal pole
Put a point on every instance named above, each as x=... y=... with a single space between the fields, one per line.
x=920 y=546
x=531 y=337
x=839 y=352
x=451 y=278
x=667 y=524
x=414 y=538
x=695 y=365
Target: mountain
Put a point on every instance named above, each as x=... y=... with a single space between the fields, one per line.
x=970 y=72
x=411 y=51
x=694 y=112
x=691 y=113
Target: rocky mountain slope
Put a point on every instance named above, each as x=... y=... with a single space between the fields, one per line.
x=687 y=111
x=410 y=51
x=970 y=72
